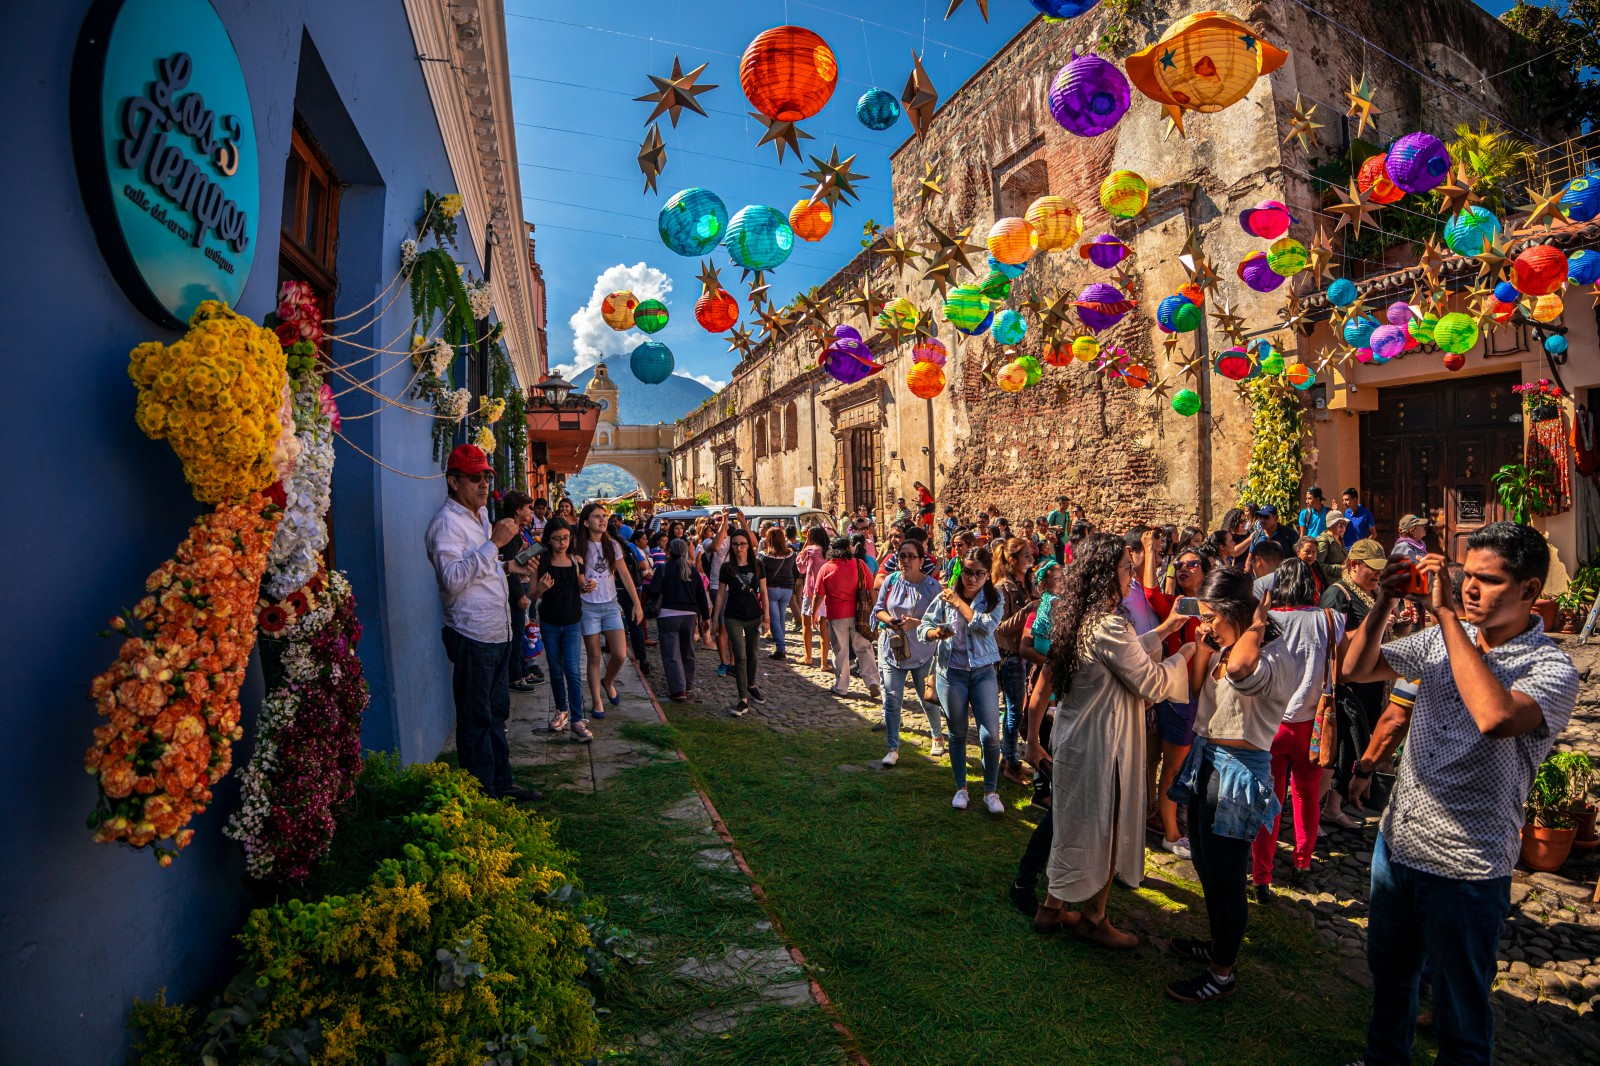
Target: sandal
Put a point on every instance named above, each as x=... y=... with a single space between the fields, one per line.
x=558 y=721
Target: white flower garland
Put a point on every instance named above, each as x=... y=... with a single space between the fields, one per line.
x=480 y=297
x=408 y=255
x=302 y=533
x=453 y=405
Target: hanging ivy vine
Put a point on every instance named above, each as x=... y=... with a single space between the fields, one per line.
x=1276 y=450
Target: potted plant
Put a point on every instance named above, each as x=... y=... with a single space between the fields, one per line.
x=1559 y=787
x=1580 y=595
x=1526 y=491
x=1580 y=773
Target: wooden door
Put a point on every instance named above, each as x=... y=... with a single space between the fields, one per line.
x=864 y=485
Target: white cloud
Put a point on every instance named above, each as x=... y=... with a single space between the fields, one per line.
x=714 y=384
x=592 y=339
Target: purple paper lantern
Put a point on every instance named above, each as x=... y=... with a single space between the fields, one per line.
x=1256 y=273
x=1417 y=162
x=1398 y=313
x=1101 y=306
x=1105 y=251
x=1089 y=95
x=1387 y=342
x=848 y=359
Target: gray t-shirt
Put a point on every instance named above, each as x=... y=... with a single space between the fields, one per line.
x=1303 y=631
x=1457 y=807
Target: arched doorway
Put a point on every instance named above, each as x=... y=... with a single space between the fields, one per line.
x=600 y=481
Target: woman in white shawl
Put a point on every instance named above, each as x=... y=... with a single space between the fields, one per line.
x=1108 y=675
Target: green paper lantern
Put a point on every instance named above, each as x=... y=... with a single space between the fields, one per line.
x=650 y=316
x=995 y=285
x=1186 y=402
x=1031 y=364
x=1456 y=333
x=1187 y=317
x=1422 y=328
x=1272 y=362
x=1286 y=257
x=966 y=308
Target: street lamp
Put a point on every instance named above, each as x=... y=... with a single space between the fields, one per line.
x=554 y=389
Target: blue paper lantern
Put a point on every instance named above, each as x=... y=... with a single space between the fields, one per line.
x=878 y=109
x=1507 y=293
x=1008 y=269
x=1581 y=199
x=1471 y=230
x=1167 y=308
x=1342 y=292
x=1009 y=327
x=1358 y=331
x=1063 y=9
x=652 y=362
x=759 y=237
x=693 y=221
x=1583 y=268
x=1555 y=344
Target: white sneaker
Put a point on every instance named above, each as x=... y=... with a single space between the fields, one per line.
x=1179 y=847
x=991 y=803
x=960 y=800
x=892 y=758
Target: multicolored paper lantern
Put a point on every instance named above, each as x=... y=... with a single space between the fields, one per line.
x=1341 y=292
x=899 y=313
x=1546 y=308
x=1286 y=257
x=1085 y=349
x=788 y=73
x=811 y=219
x=1009 y=328
x=925 y=379
x=1268 y=220
x=1365 y=355
x=1456 y=332
x=930 y=350
x=1234 y=364
x=1105 y=251
x=1471 y=230
x=1256 y=271
x=1583 y=267
x=1386 y=342
x=616 y=310
x=1011 y=378
x=878 y=110
x=1101 y=306
x=1372 y=178
x=1581 y=198
x=1124 y=193
x=1204 y=62
x=759 y=237
x=1502 y=310
x=1300 y=376
x=1358 y=330
x=1417 y=162
x=1011 y=271
x=692 y=221
x=1539 y=270
x=1055 y=221
x=1186 y=402
x=716 y=311
x=967 y=309
x=651 y=316
x=1034 y=369
x=1089 y=95
x=1012 y=241
x=651 y=362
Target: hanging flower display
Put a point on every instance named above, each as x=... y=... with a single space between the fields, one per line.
x=484 y=440
x=302 y=532
x=480 y=297
x=171 y=699
x=214 y=395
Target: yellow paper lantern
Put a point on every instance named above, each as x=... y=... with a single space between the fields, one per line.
x=1085 y=349
x=1012 y=377
x=617 y=309
x=1056 y=222
x=1124 y=193
x=1204 y=62
x=810 y=220
x=925 y=380
x=1546 y=308
x=1012 y=241
x=899 y=312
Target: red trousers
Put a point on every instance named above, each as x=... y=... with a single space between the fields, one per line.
x=1291 y=761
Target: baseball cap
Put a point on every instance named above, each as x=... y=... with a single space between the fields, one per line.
x=1407 y=521
x=467 y=459
x=1369 y=552
x=1266 y=510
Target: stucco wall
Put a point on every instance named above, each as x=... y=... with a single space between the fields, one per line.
x=94 y=506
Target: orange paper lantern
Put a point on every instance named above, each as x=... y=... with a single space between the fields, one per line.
x=1012 y=241
x=1012 y=377
x=717 y=311
x=1193 y=293
x=1136 y=376
x=1059 y=354
x=811 y=221
x=788 y=73
x=1374 y=179
x=925 y=380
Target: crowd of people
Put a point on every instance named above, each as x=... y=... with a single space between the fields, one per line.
x=1193 y=685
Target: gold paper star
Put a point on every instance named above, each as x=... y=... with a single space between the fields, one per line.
x=939 y=277
x=776 y=322
x=1483 y=314
x=952 y=249
x=709 y=282
x=1193 y=367
x=1301 y=123
x=1059 y=311
x=834 y=179
x=809 y=311
x=1458 y=192
x=1161 y=390
x=1431 y=258
x=652 y=158
x=1230 y=324
x=896 y=251
x=1195 y=264
x=930 y=187
x=983 y=9
x=866 y=303
x=1595 y=292
x=740 y=340
x=926 y=326
x=1545 y=208
x=1353 y=208
x=780 y=133
x=1295 y=319
x=919 y=97
x=675 y=93
x=894 y=331
x=1493 y=259
x=1170 y=343
x=1362 y=107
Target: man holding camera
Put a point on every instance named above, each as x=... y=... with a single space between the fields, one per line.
x=465 y=552
x=1494 y=693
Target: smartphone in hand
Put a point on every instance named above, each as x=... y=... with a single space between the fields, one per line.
x=1188 y=606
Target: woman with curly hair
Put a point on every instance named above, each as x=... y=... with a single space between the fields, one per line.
x=1105 y=675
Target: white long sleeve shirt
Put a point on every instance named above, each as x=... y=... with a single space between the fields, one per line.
x=472 y=582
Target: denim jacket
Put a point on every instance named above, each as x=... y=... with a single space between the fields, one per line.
x=981 y=649
x=1245 y=798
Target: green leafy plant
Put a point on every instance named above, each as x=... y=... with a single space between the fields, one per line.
x=1276 y=448
x=1526 y=491
x=1582 y=588
x=1560 y=788
x=1499 y=161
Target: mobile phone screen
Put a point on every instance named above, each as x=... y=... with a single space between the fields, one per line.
x=1188 y=606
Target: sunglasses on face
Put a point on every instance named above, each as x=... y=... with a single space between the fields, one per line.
x=474 y=478
x=1189 y=564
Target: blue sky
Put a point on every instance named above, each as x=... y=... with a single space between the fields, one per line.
x=575 y=69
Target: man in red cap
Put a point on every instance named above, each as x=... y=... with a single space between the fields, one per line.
x=465 y=552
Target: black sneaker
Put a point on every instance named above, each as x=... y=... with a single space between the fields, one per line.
x=778 y=655
x=536 y=674
x=740 y=709
x=1198 y=950
x=518 y=794
x=1024 y=898
x=1299 y=878
x=1263 y=894
x=756 y=695
x=1202 y=989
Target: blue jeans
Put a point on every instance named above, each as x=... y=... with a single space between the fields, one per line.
x=1453 y=924
x=979 y=689
x=778 y=614
x=894 y=683
x=563 y=646
x=481 y=685
x=1013 y=689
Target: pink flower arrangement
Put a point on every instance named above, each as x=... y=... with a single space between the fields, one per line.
x=299 y=317
x=1539 y=393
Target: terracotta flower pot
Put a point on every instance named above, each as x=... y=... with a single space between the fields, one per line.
x=1587 y=837
x=1545 y=608
x=1544 y=848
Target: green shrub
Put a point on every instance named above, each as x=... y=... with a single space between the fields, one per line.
x=461 y=938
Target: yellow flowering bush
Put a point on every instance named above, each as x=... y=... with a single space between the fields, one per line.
x=1276 y=455
x=215 y=396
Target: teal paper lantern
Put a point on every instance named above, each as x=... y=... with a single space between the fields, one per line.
x=1555 y=344
x=1358 y=330
x=877 y=109
x=652 y=362
x=1471 y=230
x=1009 y=327
x=759 y=237
x=1010 y=270
x=1342 y=292
x=692 y=222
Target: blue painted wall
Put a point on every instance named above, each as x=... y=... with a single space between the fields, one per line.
x=91 y=506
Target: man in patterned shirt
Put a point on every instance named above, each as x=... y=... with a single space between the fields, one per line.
x=1494 y=692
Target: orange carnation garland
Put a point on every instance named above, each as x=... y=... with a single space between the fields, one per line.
x=171 y=699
